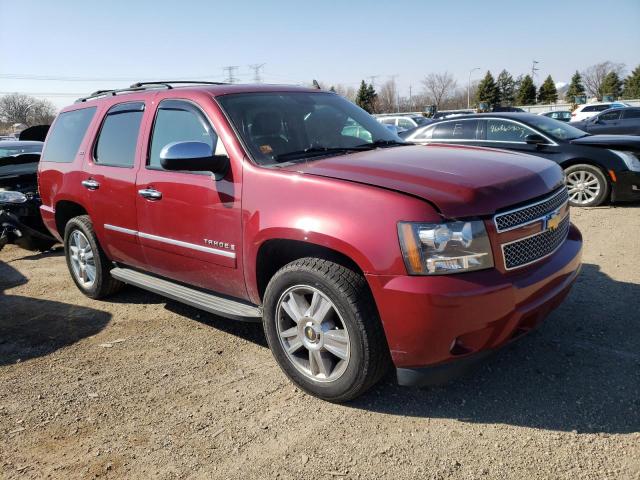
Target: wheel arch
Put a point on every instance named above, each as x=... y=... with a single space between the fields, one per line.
x=66 y=210
x=275 y=253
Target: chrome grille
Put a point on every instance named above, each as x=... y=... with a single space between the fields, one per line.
x=530 y=213
x=528 y=250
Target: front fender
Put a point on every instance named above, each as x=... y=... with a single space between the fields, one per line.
x=356 y=220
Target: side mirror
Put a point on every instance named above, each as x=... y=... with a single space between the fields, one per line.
x=192 y=157
x=535 y=139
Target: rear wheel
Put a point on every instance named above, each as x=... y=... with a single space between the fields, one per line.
x=323 y=329
x=587 y=185
x=89 y=266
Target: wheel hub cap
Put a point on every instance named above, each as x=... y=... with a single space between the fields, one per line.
x=312 y=333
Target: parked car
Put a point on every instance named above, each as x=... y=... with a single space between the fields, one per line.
x=616 y=121
x=499 y=109
x=248 y=201
x=562 y=115
x=587 y=110
x=404 y=122
x=20 y=220
x=598 y=168
x=451 y=113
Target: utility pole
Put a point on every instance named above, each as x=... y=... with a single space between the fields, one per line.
x=256 y=71
x=373 y=80
x=230 y=71
x=395 y=86
x=534 y=69
x=469 y=87
x=410 y=99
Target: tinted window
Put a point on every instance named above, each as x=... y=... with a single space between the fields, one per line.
x=461 y=130
x=596 y=108
x=610 y=116
x=66 y=135
x=442 y=131
x=179 y=121
x=118 y=137
x=505 y=131
x=631 y=113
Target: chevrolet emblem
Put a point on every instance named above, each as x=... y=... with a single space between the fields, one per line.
x=552 y=221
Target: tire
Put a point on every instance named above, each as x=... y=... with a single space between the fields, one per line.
x=102 y=284
x=588 y=185
x=344 y=352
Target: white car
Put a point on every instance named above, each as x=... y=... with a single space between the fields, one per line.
x=404 y=122
x=588 y=110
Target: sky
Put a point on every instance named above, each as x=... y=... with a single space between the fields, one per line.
x=62 y=49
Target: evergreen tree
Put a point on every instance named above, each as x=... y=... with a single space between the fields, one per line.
x=548 y=92
x=506 y=86
x=487 y=90
x=632 y=84
x=576 y=88
x=372 y=95
x=332 y=89
x=366 y=97
x=611 y=85
x=527 y=92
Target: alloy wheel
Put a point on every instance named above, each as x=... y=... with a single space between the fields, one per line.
x=82 y=259
x=312 y=333
x=583 y=187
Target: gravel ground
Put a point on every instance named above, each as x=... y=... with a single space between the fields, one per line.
x=140 y=387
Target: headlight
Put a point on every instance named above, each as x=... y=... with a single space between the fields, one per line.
x=12 y=197
x=630 y=160
x=440 y=248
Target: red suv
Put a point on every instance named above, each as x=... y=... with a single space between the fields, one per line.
x=257 y=203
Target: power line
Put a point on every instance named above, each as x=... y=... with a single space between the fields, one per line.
x=57 y=78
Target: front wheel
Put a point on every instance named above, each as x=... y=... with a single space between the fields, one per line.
x=323 y=329
x=587 y=185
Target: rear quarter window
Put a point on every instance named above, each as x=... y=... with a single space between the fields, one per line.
x=66 y=135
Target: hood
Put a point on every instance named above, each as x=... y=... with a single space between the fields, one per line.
x=460 y=181
x=631 y=142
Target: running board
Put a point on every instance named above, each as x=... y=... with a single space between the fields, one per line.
x=204 y=301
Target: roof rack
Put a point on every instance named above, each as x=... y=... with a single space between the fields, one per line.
x=178 y=82
x=140 y=86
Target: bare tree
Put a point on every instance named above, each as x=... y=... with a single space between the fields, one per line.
x=20 y=108
x=439 y=87
x=594 y=76
x=347 y=92
x=388 y=97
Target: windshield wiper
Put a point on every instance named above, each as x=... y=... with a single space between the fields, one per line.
x=383 y=143
x=316 y=151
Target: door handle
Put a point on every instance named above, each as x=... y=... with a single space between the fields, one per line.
x=150 y=193
x=91 y=184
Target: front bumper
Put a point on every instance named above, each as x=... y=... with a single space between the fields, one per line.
x=440 y=321
x=626 y=188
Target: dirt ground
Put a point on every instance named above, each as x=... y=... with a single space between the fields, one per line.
x=140 y=387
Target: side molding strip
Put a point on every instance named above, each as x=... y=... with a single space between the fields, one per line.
x=171 y=241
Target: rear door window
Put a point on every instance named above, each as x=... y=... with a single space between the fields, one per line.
x=118 y=138
x=66 y=135
x=506 y=131
x=631 y=113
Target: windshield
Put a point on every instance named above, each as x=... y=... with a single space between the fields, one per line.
x=555 y=128
x=10 y=151
x=282 y=127
x=421 y=120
